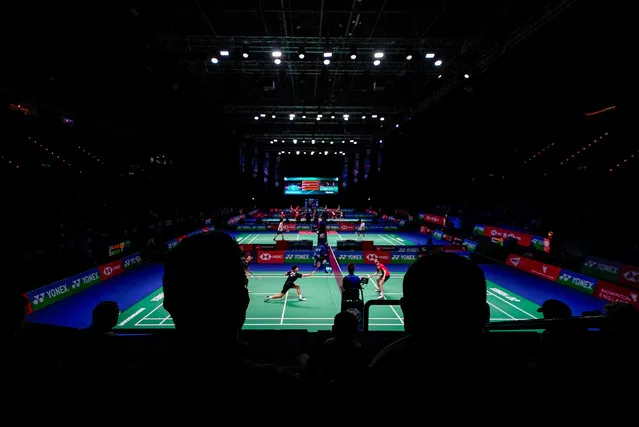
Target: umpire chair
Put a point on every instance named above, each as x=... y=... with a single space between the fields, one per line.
x=353 y=300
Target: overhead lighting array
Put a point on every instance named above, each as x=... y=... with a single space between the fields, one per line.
x=90 y=154
x=582 y=150
x=11 y=163
x=50 y=153
x=311 y=153
x=630 y=158
x=319 y=117
x=327 y=55
x=296 y=141
x=539 y=153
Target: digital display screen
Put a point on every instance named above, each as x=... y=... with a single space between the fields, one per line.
x=310 y=186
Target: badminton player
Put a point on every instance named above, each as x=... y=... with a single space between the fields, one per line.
x=280 y=230
x=360 y=229
x=247 y=269
x=382 y=277
x=291 y=276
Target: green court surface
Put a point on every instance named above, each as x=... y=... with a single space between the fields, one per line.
x=333 y=238
x=322 y=303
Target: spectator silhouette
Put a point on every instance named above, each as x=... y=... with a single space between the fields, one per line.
x=208 y=359
x=104 y=318
x=339 y=362
x=445 y=348
x=95 y=357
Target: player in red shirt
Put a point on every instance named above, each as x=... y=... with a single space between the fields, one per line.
x=382 y=277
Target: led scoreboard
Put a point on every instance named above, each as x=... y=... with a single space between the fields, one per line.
x=310 y=186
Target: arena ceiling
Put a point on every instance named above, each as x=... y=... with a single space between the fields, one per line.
x=215 y=59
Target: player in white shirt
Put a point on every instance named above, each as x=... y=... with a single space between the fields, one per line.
x=280 y=230
x=360 y=229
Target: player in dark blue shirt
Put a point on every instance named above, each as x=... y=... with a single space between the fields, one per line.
x=321 y=255
x=291 y=276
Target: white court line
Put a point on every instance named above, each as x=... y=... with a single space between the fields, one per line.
x=165 y=319
x=395 y=311
x=148 y=314
x=389 y=241
x=399 y=242
x=284 y=309
x=494 y=306
x=513 y=305
x=340 y=236
x=253 y=239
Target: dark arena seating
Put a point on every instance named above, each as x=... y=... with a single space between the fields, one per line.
x=338 y=210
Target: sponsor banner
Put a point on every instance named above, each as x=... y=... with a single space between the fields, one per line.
x=353 y=245
x=435 y=219
x=391 y=228
x=546 y=271
x=304 y=227
x=403 y=258
x=384 y=257
x=629 y=276
x=112 y=269
x=131 y=261
x=601 y=268
x=438 y=234
x=246 y=248
x=29 y=306
x=578 y=281
x=408 y=249
x=479 y=229
x=172 y=243
x=541 y=243
x=252 y=227
x=346 y=226
x=471 y=245
x=346 y=257
x=373 y=227
x=266 y=247
x=387 y=248
x=235 y=219
x=57 y=291
x=615 y=293
x=270 y=257
x=299 y=257
x=523 y=239
x=299 y=245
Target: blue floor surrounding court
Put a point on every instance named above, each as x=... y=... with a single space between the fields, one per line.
x=538 y=290
x=126 y=289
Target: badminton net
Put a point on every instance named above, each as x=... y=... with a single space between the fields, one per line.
x=337 y=271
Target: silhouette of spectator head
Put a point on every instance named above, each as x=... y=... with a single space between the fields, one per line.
x=198 y=269
x=105 y=316
x=345 y=326
x=555 y=309
x=351 y=268
x=444 y=293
